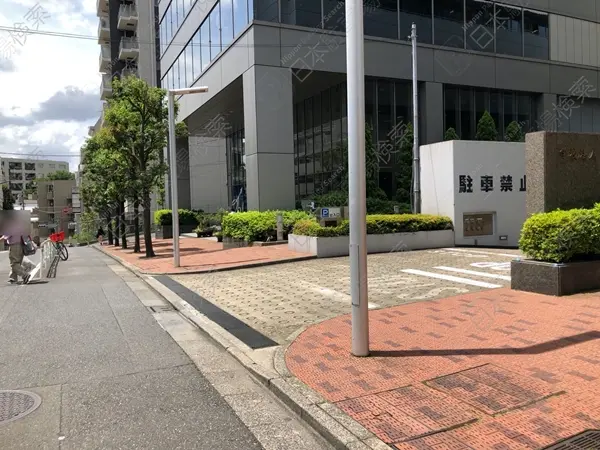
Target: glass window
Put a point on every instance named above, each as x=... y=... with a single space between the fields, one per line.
x=175 y=15
x=449 y=23
x=301 y=148
x=326 y=130
x=384 y=111
x=306 y=13
x=480 y=25
x=334 y=15
x=336 y=125
x=466 y=114
x=509 y=30
x=482 y=100
x=451 y=108
x=308 y=135
x=240 y=16
x=509 y=115
x=197 y=55
x=381 y=18
x=168 y=21
x=189 y=64
x=226 y=22
x=419 y=12
x=205 y=44
x=495 y=109
x=403 y=104
x=215 y=32
x=317 y=135
x=536 y=34
x=267 y=10
x=250 y=10
x=524 y=112
x=370 y=102
x=181 y=61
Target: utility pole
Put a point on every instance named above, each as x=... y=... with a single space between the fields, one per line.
x=416 y=150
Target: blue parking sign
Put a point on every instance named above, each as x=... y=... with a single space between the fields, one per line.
x=325 y=212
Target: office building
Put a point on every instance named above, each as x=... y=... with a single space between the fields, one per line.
x=273 y=125
x=20 y=173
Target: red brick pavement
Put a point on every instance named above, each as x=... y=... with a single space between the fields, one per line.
x=499 y=370
x=199 y=255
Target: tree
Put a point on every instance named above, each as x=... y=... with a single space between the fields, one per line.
x=514 y=132
x=8 y=200
x=486 y=128
x=137 y=118
x=451 y=135
x=59 y=175
x=404 y=179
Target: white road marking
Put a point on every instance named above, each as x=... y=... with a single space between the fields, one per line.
x=433 y=293
x=452 y=278
x=492 y=265
x=480 y=252
x=338 y=296
x=474 y=272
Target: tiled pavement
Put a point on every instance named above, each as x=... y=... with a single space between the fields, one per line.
x=200 y=255
x=498 y=370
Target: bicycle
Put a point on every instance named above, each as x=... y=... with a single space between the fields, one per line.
x=57 y=239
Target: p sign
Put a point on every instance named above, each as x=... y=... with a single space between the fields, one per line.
x=325 y=213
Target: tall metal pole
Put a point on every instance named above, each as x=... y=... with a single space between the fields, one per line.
x=357 y=173
x=173 y=182
x=416 y=150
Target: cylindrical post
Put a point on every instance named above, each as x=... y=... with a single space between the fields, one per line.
x=279 y=227
x=416 y=151
x=173 y=183
x=356 y=174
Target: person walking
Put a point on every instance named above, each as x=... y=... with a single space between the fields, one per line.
x=100 y=235
x=13 y=234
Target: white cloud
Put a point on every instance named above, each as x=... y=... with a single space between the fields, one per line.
x=45 y=68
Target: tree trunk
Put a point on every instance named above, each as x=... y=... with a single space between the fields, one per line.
x=147 y=225
x=123 y=226
x=136 y=226
x=117 y=226
x=109 y=229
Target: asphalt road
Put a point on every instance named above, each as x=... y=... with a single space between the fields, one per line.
x=110 y=376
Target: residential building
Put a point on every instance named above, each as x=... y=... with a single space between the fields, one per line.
x=20 y=173
x=58 y=204
x=272 y=128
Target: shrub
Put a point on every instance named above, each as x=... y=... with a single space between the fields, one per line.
x=514 y=133
x=451 y=135
x=378 y=204
x=378 y=224
x=333 y=198
x=562 y=236
x=486 y=128
x=260 y=226
x=163 y=217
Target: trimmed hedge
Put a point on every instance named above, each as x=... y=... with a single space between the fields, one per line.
x=378 y=224
x=163 y=217
x=375 y=205
x=259 y=226
x=562 y=236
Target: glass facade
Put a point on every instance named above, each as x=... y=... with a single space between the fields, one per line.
x=464 y=106
x=236 y=170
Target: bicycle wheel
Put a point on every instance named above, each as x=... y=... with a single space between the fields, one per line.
x=63 y=253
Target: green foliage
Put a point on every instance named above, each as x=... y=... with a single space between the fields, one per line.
x=451 y=135
x=562 y=236
x=379 y=206
x=259 y=226
x=404 y=178
x=84 y=238
x=375 y=205
x=164 y=217
x=8 y=201
x=378 y=224
x=58 y=175
x=89 y=223
x=514 y=133
x=333 y=199
x=486 y=128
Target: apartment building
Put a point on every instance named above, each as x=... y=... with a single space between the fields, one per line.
x=274 y=121
x=58 y=207
x=20 y=173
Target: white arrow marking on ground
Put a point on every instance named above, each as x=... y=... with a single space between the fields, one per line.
x=479 y=252
x=452 y=278
x=433 y=293
x=474 y=272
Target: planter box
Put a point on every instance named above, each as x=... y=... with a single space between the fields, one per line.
x=166 y=231
x=555 y=279
x=234 y=243
x=327 y=247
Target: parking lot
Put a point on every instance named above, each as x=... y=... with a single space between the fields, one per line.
x=278 y=300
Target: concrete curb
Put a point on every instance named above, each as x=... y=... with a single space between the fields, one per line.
x=200 y=272
x=325 y=418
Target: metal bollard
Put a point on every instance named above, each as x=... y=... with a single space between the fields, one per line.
x=279 y=227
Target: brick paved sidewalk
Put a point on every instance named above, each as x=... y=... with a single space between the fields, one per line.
x=499 y=370
x=201 y=255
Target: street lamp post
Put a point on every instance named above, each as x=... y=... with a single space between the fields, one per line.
x=173 y=162
x=356 y=175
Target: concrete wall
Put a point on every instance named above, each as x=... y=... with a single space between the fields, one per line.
x=208 y=168
x=442 y=166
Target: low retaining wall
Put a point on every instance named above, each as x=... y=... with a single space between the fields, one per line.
x=327 y=247
x=555 y=279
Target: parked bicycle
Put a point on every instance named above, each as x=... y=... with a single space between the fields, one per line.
x=61 y=249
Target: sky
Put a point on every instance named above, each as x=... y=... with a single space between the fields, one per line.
x=49 y=85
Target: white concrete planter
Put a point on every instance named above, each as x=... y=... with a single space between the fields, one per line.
x=327 y=247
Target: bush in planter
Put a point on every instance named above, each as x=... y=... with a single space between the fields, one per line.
x=378 y=203
x=259 y=226
x=378 y=224
x=163 y=217
x=562 y=236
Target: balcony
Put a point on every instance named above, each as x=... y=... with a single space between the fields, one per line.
x=129 y=72
x=106 y=87
x=129 y=49
x=128 y=17
x=102 y=8
x=103 y=30
x=105 y=65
